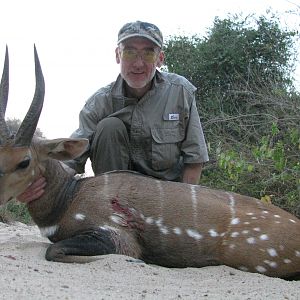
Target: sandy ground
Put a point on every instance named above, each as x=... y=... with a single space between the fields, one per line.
x=25 y=274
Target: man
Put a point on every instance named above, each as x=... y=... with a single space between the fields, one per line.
x=146 y=121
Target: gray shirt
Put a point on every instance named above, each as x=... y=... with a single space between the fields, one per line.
x=164 y=126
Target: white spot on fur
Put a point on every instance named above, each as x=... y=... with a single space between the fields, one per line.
x=297 y=253
x=105 y=188
x=246 y=223
x=232 y=206
x=160 y=188
x=235 y=234
x=177 y=230
x=117 y=219
x=29 y=184
x=277 y=216
x=32 y=172
x=243 y=268
x=232 y=246
x=281 y=247
x=164 y=230
x=291 y=220
x=256 y=229
x=272 y=252
x=159 y=221
x=287 y=261
x=194 y=234
x=235 y=221
x=250 y=214
x=277 y=222
x=49 y=230
x=109 y=228
x=254 y=218
x=251 y=240
x=264 y=237
x=245 y=231
x=272 y=264
x=80 y=217
x=194 y=196
x=149 y=220
x=260 y=269
x=103 y=227
x=265 y=212
x=213 y=233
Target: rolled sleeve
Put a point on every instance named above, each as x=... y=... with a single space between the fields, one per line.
x=88 y=120
x=194 y=149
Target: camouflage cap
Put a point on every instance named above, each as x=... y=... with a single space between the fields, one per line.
x=141 y=29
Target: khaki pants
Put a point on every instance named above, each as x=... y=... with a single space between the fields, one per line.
x=110 y=146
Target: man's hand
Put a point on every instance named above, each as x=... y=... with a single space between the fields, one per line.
x=34 y=191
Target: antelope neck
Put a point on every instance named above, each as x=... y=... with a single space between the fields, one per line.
x=56 y=202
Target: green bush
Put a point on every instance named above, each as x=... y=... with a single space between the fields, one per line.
x=269 y=170
x=248 y=105
x=15 y=211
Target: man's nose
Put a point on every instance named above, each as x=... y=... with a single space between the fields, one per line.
x=138 y=61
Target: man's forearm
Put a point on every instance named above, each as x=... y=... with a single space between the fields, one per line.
x=192 y=173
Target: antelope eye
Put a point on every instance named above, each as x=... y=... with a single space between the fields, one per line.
x=24 y=164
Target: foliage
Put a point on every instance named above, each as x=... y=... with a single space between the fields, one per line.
x=248 y=105
x=269 y=170
x=15 y=211
x=14 y=124
x=233 y=50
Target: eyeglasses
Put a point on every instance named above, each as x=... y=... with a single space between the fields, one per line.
x=147 y=55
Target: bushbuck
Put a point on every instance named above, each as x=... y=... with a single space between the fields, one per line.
x=165 y=223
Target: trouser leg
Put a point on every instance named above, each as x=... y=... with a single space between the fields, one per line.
x=110 y=146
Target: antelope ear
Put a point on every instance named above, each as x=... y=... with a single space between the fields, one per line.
x=63 y=149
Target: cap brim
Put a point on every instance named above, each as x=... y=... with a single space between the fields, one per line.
x=140 y=35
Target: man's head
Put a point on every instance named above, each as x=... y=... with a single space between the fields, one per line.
x=139 y=53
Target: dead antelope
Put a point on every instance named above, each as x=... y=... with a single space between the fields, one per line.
x=165 y=223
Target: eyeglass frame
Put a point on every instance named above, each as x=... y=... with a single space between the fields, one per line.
x=138 y=53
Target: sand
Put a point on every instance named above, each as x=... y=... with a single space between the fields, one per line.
x=25 y=274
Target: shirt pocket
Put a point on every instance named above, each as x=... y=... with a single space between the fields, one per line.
x=166 y=142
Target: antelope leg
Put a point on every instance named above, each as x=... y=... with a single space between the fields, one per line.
x=88 y=243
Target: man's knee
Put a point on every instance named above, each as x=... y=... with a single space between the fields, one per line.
x=110 y=146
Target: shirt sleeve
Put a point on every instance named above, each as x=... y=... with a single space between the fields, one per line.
x=88 y=121
x=194 y=149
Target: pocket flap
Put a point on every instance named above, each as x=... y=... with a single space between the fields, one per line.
x=167 y=135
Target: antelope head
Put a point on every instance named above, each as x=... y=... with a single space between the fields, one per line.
x=17 y=167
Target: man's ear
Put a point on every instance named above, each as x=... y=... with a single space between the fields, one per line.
x=63 y=149
x=118 y=58
x=160 y=59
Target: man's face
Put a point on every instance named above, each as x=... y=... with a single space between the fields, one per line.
x=138 y=59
